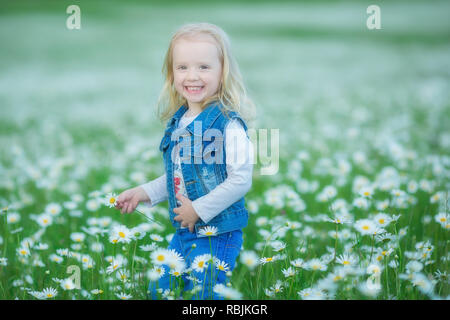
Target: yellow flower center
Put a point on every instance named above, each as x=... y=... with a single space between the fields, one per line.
x=269 y=259
x=121 y=234
x=201 y=263
x=24 y=252
x=112 y=200
x=366 y=193
x=49 y=295
x=160 y=257
x=115 y=240
x=346 y=262
x=337 y=278
x=365 y=227
x=221 y=268
x=443 y=219
x=208 y=233
x=45 y=221
x=381 y=221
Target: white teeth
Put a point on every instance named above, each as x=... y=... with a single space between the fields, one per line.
x=194 y=88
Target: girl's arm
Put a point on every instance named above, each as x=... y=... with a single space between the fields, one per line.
x=239 y=165
x=156 y=191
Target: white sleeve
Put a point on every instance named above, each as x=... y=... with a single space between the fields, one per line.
x=156 y=191
x=239 y=166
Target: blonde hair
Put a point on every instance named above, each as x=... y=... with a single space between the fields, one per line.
x=231 y=93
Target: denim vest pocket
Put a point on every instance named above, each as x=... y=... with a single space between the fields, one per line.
x=227 y=221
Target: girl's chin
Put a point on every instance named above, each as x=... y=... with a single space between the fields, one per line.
x=194 y=99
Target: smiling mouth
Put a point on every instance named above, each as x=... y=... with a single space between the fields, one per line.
x=194 y=89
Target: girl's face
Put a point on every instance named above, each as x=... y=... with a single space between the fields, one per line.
x=197 y=69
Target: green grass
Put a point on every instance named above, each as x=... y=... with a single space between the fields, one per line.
x=78 y=115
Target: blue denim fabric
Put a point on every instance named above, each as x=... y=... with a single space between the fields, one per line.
x=203 y=164
x=225 y=246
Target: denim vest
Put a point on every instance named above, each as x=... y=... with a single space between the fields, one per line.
x=202 y=154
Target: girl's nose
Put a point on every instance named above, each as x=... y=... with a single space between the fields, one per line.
x=192 y=75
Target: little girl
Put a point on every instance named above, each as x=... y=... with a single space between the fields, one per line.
x=208 y=159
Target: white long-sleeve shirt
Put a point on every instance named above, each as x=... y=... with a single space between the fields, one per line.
x=239 y=166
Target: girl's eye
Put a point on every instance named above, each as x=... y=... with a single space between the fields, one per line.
x=181 y=67
x=204 y=67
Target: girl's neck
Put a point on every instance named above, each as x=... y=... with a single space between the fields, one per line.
x=193 y=111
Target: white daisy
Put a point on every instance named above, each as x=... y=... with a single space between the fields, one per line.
x=200 y=262
x=441 y=218
x=23 y=251
x=208 y=231
x=160 y=256
x=226 y=292
x=55 y=258
x=298 y=263
x=365 y=226
x=374 y=269
x=382 y=219
x=115 y=264
x=155 y=273
x=315 y=264
x=265 y=260
x=67 y=284
x=12 y=217
x=123 y=296
x=249 y=258
x=44 y=220
x=53 y=208
x=49 y=293
x=110 y=200
x=347 y=260
x=156 y=237
x=77 y=236
x=366 y=191
x=120 y=233
x=289 y=272
x=221 y=265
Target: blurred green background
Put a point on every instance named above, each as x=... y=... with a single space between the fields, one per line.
x=300 y=60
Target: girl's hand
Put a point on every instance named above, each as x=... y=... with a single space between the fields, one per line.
x=128 y=200
x=186 y=213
